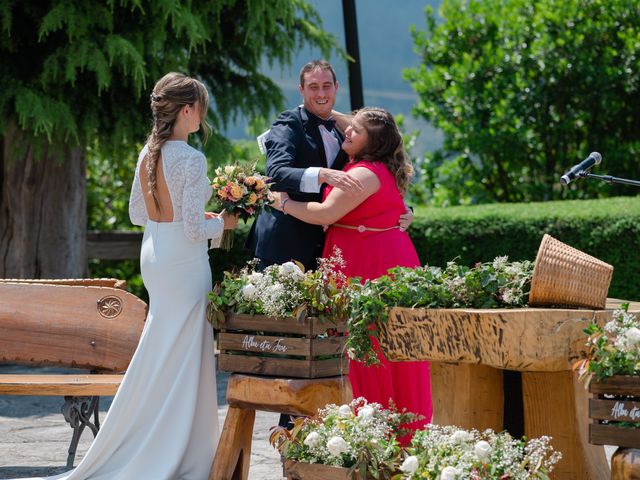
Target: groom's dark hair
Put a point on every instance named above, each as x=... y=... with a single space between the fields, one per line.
x=316 y=65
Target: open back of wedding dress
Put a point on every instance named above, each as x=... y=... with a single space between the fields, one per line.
x=163 y=422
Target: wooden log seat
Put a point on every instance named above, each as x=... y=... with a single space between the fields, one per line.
x=625 y=464
x=91 y=324
x=248 y=393
x=469 y=349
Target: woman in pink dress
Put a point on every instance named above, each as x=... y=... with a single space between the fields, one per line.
x=365 y=228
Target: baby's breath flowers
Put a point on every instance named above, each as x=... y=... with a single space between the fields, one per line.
x=451 y=453
x=361 y=436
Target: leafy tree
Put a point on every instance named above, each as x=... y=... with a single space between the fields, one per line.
x=76 y=76
x=523 y=90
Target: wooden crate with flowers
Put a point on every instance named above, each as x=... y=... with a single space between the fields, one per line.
x=611 y=369
x=281 y=321
x=360 y=440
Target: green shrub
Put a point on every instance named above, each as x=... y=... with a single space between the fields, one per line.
x=608 y=229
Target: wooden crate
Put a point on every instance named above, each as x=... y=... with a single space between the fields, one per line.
x=615 y=399
x=282 y=346
x=313 y=471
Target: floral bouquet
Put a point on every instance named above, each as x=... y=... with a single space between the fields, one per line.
x=449 y=453
x=360 y=436
x=241 y=191
x=283 y=291
x=613 y=349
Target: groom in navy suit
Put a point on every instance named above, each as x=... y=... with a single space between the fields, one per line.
x=303 y=154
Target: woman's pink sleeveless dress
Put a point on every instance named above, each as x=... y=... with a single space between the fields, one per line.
x=369 y=254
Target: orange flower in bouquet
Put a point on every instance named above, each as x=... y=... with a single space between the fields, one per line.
x=241 y=191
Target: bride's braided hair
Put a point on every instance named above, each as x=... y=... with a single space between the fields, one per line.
x=170 y=94
x=384 y=144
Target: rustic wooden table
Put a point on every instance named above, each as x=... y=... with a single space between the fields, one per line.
x=469 y=350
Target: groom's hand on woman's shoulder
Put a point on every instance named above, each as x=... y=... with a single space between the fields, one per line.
x=406 y=219
x=341 y=180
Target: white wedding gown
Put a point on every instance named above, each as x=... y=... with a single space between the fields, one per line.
x=163 y=422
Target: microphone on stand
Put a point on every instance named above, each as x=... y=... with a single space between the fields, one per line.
x=594 y=158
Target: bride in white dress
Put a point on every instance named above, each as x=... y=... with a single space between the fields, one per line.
x=163 y=422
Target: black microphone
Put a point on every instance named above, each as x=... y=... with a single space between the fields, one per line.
x=594 y=158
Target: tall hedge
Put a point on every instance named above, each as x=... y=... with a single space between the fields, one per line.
x=608 y=229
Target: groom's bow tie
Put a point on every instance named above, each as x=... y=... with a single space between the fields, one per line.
x=328 y=124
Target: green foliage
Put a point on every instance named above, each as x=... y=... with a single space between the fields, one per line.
x=608 y=229
x=485 y=285
x=522 y=90
x=81 y=71
x=613 y=349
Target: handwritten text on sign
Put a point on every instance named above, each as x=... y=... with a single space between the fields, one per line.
x=619 y=410
x=276 y=346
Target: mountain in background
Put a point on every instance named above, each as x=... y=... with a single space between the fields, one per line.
x=386 y=48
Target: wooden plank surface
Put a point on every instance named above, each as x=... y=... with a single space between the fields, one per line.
x=286 y=367
x=59 y=384
x=466 y=395
x=555 y=405
x=277 y=345
x=309 y=326
x=517 y=339
x=69 y=325
x=619 y=410
x=114 y=245
x=616 y=385
x=612 y=435
x=313 y=471
x=287 y=395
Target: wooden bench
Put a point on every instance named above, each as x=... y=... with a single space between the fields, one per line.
x=91 y=324
x=248 y=393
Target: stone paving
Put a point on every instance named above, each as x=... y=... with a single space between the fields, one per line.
x=34 y=437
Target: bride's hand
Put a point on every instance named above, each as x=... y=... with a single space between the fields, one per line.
x=230 y=221
x=210 y=215
x=278 y=199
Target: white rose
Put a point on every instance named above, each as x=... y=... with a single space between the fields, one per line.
x=449 y=473
x=410 y=465
x=337 y=446
x=633 y=335
x=249 y=291
x=344 y=411
x=229 y=169
x=365 y=413
x=482 y=450
x=460 y=436
x=312 y=440
x=290 y=269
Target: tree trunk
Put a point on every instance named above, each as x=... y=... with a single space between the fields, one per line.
x=43 y=206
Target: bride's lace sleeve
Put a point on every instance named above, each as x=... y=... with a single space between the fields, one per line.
x=194 y=197
x=137 y=209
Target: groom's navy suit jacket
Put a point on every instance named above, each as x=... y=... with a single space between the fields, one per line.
x=293 y=144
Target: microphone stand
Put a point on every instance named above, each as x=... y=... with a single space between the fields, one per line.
x=608 y=178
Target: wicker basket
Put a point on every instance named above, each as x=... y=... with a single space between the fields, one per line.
x=566 y=276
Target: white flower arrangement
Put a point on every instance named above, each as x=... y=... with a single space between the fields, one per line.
x=361 y=436
x=450 y=453
x=283 y=291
